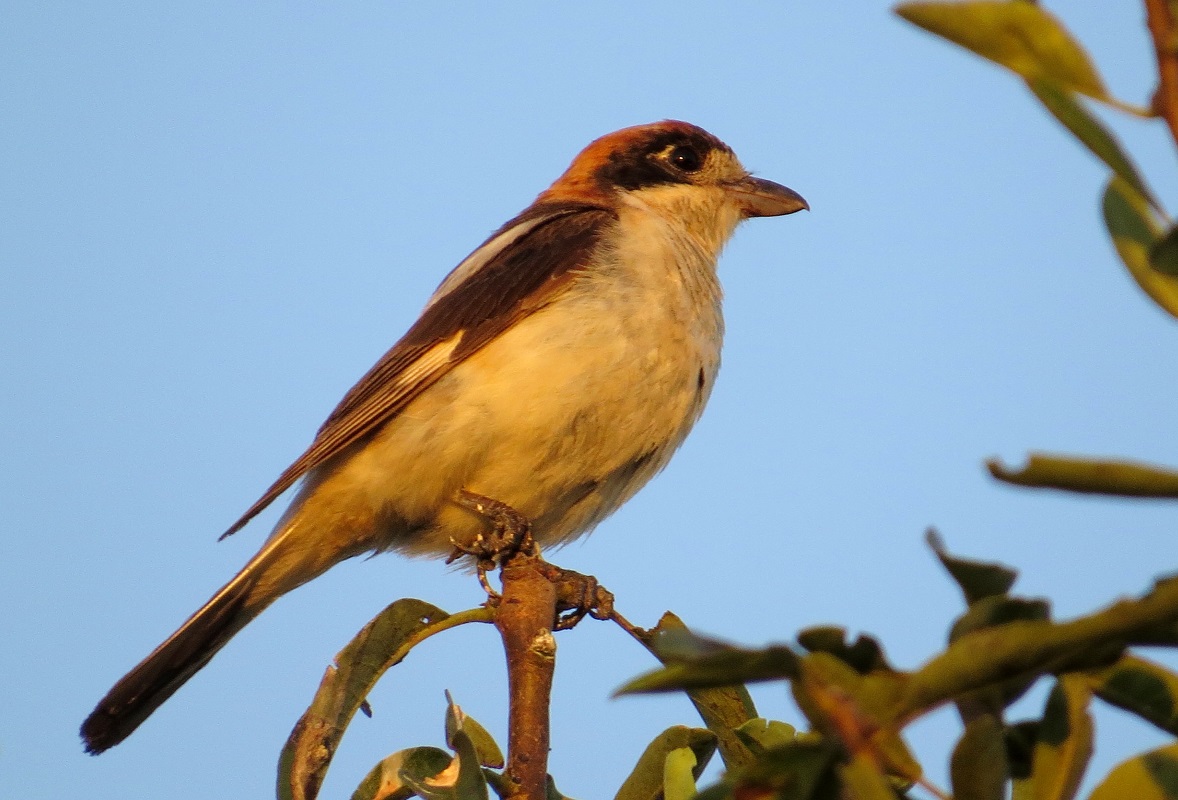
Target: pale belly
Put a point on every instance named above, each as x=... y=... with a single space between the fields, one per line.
x=562 y=418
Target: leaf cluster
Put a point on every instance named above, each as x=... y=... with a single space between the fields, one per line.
x=858 y=705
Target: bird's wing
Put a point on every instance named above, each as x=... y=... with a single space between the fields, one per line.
x=518 y=270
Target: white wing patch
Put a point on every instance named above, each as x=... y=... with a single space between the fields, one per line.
x=479 y=258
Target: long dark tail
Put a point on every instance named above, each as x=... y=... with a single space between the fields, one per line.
x=143 y=689
x=297 y=553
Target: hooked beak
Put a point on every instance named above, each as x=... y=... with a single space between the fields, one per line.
x=758 y=197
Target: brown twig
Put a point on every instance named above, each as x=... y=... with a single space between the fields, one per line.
x=1161 y=27
x=525 y=619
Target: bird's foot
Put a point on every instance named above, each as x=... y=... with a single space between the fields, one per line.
x=510 y=533
x=578 y=596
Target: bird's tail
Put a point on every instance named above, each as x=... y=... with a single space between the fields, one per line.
x=143 y=689
x=278 y=568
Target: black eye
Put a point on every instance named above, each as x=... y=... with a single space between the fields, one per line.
x=686 y=158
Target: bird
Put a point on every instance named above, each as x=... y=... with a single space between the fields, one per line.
x=555 y=370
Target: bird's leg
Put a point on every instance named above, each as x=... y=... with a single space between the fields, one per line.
x=510 y=533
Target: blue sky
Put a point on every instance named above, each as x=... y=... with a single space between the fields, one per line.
x=216 y=218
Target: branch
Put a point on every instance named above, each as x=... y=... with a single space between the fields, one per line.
x=1161 y=27
x=525 y=619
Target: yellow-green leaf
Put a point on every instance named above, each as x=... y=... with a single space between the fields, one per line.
x=725 y=668
x=485 y=746
x=470 y=783
x=764 y=734
x=722 y=708
x=1020 y=36
x=1020 y=745
x=805 y=769
x=679 y=775
x=864 y=781
x=1141 y=687
x=1091 y=475
x=1134 y=230
x=386 y=781
x=645 y=781
x=864 y=654
x=976 y=579
x=978 y=766
x=381 y=644
x=1152 y=776
x=854 y=710
x=1091 y=133
x=1163 y=256
x=1064 y=744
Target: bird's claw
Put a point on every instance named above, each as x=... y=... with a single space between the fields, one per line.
x=578 y=596
x=510 y=533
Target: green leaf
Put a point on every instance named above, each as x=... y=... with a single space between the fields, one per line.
x=721 y=790
x=1134 y=230
x=385 y=781
x=488 y=751
x=1162 y=766
x=854 y=710
x=978 y=766
x=428 y=772
x=1019 y=36
x=645 y=781
x=997 y=610
x=1152 y=776
x=440 y=787
x=552 y=793
x=1020 y=741
x=725 y=668
x=1141 y=687
x=679 y=643
x=505 y=787
x=977 y=579
x=1163 y=255
x=1091 y=133
x=1090 y=475
x=722 y=708
x=802 y=770
x=864 y=781
x=381 y=644
x=864 y=655
x=764 y=734
x=470 y=784
x=679 y=775
x=1064 y=744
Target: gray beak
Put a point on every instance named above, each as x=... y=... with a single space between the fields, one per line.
x=758 y=197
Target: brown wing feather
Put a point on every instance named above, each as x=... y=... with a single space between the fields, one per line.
x=520 y=279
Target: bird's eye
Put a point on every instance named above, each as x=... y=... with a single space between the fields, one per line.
x=686 y=158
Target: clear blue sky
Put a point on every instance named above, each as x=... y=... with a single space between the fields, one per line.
x=215 y=218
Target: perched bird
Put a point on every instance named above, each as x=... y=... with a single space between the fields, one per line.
x=555 y=370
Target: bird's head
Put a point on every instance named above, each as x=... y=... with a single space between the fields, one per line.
x=676 y=169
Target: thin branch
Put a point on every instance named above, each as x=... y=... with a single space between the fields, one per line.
x=1161 y=28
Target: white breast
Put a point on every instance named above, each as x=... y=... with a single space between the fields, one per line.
x=563 y=417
